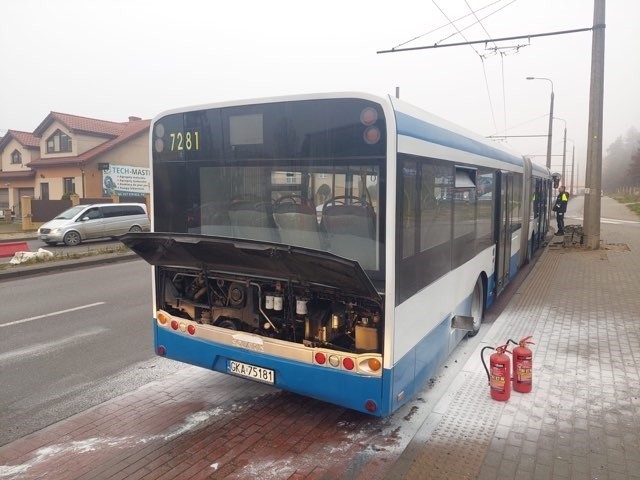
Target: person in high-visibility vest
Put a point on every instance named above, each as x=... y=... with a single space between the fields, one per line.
x=560 y=208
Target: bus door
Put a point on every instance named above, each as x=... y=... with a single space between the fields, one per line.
x=504 y=189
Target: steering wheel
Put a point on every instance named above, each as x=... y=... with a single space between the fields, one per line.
x=346 y=200
x=295 y=199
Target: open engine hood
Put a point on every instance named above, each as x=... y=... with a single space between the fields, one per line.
x=253 y=258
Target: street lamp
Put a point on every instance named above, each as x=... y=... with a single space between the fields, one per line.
x=564 y=151
x=550 y=119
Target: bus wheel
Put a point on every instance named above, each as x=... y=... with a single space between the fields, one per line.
x=477 y=309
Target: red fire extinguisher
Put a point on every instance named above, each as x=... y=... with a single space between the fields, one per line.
x=499 y=373
x=522 y=366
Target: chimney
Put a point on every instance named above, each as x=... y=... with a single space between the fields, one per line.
x=133 y=119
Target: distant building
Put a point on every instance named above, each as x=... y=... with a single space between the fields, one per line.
x=69 y=154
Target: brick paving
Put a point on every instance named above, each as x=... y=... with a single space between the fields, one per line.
x=198 y=424
x=582 y=419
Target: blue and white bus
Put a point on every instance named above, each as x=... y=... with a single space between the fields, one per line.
x=334 y=245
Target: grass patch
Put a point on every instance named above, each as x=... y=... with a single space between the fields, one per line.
x=626 y=198
x=635 y=207
x=632 y=201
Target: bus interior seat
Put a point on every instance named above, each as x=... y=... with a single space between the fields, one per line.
x=297 y=222
x=348 y=222
x=356 y=218
x=252 y=219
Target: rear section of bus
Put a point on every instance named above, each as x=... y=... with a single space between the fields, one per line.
x=268 y=244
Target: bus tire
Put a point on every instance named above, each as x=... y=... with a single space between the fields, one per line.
x=477 y=307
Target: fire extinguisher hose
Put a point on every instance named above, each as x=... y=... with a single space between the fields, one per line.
x=484 y=364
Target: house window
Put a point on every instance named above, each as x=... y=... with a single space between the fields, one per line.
x=16 y=157
x=69 y=185
x=59 y=142
x=44 y=191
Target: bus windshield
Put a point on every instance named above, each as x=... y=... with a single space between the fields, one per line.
x=301 y=173
x=330 y=208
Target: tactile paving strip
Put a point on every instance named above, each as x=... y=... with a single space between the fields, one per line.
x=457 y=446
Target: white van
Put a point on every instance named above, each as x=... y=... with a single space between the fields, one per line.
x=100 y=220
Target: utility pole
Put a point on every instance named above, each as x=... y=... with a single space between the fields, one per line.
x=550 y=130
x=573 y=159
x=564 y=152
x=550 y=134
x=593 y=179
x=564 y=155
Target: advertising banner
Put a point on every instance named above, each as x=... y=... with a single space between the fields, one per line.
x=125 y=181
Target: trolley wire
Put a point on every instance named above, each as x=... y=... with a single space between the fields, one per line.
x=473 y=24
x=482 y=58
x=446 y=25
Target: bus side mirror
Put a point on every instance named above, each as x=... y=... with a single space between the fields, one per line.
x=556 y=179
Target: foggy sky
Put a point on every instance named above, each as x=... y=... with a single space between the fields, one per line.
x=109 y=59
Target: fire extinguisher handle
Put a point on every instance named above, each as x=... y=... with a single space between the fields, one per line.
x=525 y=341
x=484 y=364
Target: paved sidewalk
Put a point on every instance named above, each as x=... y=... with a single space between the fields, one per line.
x=582 y=419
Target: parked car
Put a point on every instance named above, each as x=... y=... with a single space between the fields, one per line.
x=100 y=220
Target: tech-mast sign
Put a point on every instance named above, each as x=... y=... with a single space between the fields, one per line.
x=125 y=181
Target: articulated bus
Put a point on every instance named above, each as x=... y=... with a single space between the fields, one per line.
x=334 y=245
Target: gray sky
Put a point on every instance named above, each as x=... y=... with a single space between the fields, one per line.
x=109 y=59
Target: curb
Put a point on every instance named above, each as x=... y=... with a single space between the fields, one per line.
x=64 y=265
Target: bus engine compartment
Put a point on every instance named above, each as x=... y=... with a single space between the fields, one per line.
x=311 y=315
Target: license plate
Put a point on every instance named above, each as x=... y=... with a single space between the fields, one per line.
x=251 y=371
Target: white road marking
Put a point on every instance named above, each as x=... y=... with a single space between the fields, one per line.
x=48 y=347
x=611 y=221
x=38 y=317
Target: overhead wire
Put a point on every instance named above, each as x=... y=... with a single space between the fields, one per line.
x=479 y=21
x=443 y=26
x=483 y=18
x=526 y=122
x=484 y=70
x=504 y=98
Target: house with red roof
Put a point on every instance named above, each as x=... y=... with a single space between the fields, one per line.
x=68 y=154
x=17 y=149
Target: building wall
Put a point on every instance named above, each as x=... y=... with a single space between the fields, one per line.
x=14 y=189
x=86 y=143
x=27 y=156
x=10 y=188
x=54 y=176
x=133 y=153
x=80 y=143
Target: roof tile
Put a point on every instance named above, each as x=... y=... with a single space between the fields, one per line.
x=81 y=124
x=129 y=130
x=26 y=139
